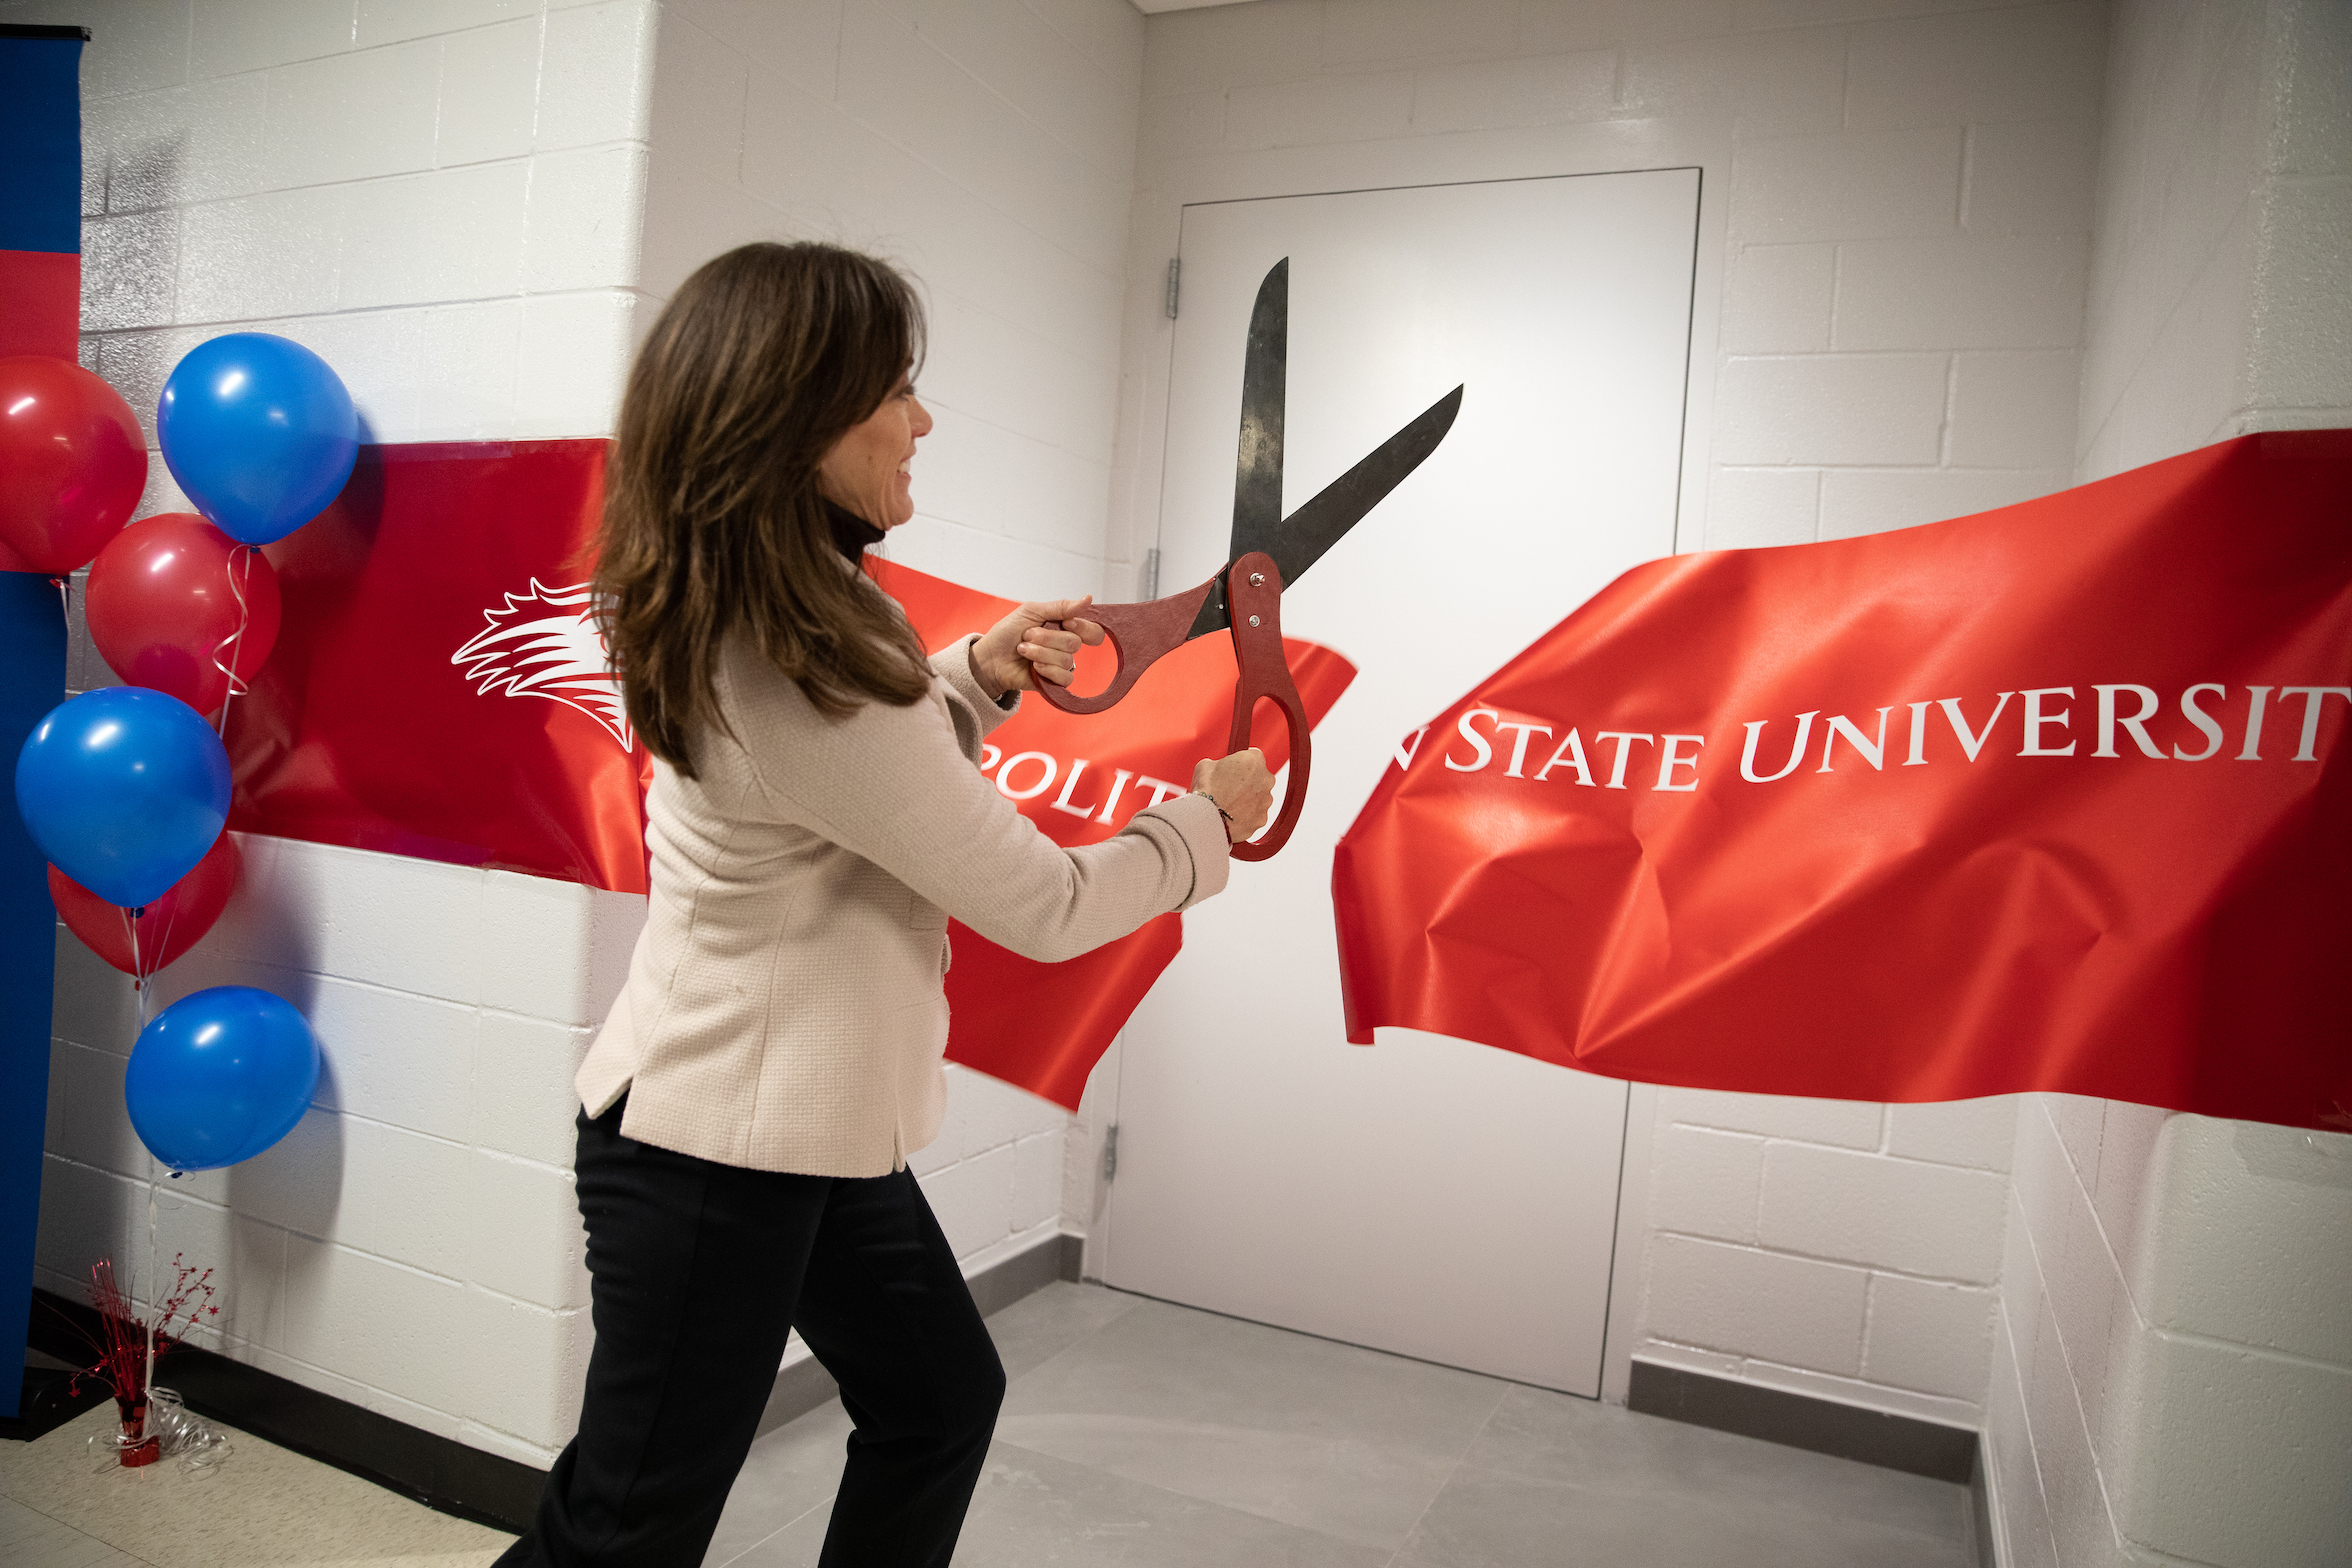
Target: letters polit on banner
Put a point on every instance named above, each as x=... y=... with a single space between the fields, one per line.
x=1080 y=778
x=2054 y=797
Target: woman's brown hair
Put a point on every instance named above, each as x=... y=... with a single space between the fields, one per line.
x=713 y=518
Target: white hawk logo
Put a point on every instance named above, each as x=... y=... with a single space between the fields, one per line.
x=545 y=644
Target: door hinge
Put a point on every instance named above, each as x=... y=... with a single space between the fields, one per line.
x=1148 y=585
x=1175 y=266
x=1111 y=1153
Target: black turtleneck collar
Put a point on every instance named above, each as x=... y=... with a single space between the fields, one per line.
x=853 y=536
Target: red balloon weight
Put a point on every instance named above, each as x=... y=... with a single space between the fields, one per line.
x=171 y=925
x=162 y=606
x=72 y=464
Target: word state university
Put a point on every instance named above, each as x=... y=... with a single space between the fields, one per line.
x=2205 y=714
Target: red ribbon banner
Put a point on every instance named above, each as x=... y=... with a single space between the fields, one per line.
x=2054 y=797
x=439 y=690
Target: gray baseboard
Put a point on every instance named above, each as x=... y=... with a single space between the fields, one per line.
x=1980 y=1512
x=1826 y=1426
x=1032 y=1268
x=803 y=1386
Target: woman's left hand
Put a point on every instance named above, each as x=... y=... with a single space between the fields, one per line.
x=1036 y=642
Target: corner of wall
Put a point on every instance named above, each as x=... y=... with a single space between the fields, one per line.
x=1839 y=1249
x=2218 y=303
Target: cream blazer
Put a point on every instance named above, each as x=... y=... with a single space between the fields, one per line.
x=783 y=1009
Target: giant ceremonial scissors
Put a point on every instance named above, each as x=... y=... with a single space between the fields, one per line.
x=1267 y=551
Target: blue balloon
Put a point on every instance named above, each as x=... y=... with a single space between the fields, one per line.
x=219 y=1076
x=124 y=789
x=259 y=432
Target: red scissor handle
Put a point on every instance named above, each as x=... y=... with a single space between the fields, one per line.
x=1141 y=633
x=1253 y=589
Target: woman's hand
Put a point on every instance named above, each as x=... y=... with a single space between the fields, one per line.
x=1037 y=641
x=1241 y=787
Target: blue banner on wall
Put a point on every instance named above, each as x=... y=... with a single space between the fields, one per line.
x=32 y=681
x=40 y=272
x=41 y=119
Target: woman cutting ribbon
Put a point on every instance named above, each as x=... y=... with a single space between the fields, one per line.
x=816 y=816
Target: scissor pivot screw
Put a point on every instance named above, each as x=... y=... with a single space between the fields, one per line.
x=1253 y=620
x=1257 y=580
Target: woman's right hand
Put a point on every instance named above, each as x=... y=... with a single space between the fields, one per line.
x=1241 y=786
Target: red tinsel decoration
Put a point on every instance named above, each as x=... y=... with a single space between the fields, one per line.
x=121 y=1343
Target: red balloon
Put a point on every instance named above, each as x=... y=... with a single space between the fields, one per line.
x=72 y=464
x=162 y=606
x=168 y=927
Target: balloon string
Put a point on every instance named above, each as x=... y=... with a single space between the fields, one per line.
x=154 y=1302
x=162 y=944
x=138 y=970
x=139 y=987
x=65 y=594
x=242 y=557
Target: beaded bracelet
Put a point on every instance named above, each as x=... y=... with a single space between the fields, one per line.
x=1212 y=800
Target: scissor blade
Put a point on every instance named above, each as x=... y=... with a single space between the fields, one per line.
x=1257 y=467
x=1343 y=503
x=1257 y=473
x=1315 y=527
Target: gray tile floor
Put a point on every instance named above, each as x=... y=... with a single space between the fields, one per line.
x=31 y=1539
x=1140 y=1433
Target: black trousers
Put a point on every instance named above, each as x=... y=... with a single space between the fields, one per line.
x=696 y=1270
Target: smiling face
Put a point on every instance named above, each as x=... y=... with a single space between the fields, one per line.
x=867 y=470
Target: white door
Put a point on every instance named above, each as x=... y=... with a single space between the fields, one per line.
x=1426 y=1195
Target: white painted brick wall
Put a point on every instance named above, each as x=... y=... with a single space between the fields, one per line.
x=442 y=200
x=1863 y=1207
x=2172 y=1373
x=2175 y=1374
x=993 y=1174
x=1898 y=339
x=2225 y=195
x=987 y=147
x=1782 y=1310
x=1943 y=208
x=1832 y=1246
